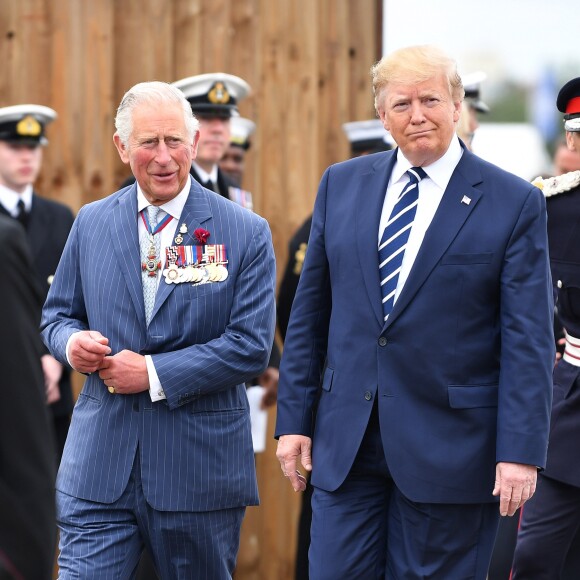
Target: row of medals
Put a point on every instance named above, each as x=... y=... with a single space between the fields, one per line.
x=201 y=273
x=195 y=273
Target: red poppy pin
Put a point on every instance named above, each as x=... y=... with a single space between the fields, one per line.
x=201 y=235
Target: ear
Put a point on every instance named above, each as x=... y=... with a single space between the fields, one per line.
x=457 y=110
x=194 y=145
x=571 y=142
x=383 y=118
x=123 y=153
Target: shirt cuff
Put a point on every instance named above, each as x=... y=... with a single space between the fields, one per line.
x=68 y=347
x=155 y=389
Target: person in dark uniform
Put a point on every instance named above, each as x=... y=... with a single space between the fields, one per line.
x=473 y=106
x=47 y=224
x=233 y=163
x=364 y=137
x=214 y=99
x=552 y=518
x=27 y=470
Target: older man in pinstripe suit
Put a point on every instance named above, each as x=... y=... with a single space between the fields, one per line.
x=159 y=454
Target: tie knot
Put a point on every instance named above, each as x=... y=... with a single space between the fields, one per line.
x=416 y=174
x=152 y=211
x=22 y=215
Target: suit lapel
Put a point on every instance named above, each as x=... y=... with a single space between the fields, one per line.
x=123 y=231
x=195 y=212
x=369 y=201
x=459 y=200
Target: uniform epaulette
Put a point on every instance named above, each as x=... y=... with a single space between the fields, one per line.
x=559 y=184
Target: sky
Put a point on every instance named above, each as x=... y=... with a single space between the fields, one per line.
x=517 y=39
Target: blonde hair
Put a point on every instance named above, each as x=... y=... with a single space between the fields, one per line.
x=415 y=64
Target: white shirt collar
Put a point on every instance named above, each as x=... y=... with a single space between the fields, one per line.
x=204 y=175
x=439 y=171
x=173 y=207
x=9 y=199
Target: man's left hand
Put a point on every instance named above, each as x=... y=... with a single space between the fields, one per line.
x=515 y=484
x=126 y=372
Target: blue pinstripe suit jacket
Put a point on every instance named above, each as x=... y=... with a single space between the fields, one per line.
x=205 y=341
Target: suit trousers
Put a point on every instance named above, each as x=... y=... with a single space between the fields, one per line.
x=104 y=541
x=549 y=523
x=367 y=529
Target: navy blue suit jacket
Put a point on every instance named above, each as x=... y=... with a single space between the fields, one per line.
x=205 y=340
x=462 y=368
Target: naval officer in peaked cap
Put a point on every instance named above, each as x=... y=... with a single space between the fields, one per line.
x=473 y=106
x=214 y=99
x=47 y=224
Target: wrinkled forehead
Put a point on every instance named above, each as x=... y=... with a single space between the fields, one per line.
x=436 y=85
x=148 y=118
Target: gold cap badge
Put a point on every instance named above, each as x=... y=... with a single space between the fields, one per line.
x=29 y=126
x=219 y=94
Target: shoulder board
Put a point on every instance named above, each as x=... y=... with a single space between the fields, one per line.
x=559 y=184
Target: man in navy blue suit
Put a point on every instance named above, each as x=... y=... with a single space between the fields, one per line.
x=416 y=374
x=164 y=297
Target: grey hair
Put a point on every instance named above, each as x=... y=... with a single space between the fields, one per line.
x=154 y=92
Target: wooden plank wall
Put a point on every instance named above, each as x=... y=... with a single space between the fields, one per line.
x=308 y=64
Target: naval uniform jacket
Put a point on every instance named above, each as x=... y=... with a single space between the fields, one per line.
x=563 y=207
x=49 y=224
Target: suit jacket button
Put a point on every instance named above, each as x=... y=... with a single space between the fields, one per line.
x=559 y=283
x=368 y=396
x=382 y=341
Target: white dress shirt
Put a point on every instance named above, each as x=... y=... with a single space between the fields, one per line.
x=204 y=175
x=10 y=198
x=431 y=190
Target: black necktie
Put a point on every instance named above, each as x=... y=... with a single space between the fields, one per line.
x=22 y=215
x=209 y=185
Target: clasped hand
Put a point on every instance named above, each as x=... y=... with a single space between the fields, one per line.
x=126 y=371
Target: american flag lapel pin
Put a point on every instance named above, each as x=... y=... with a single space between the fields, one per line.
x=466 y=200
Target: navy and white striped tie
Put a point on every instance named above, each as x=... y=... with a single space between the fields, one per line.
x=395 y=236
